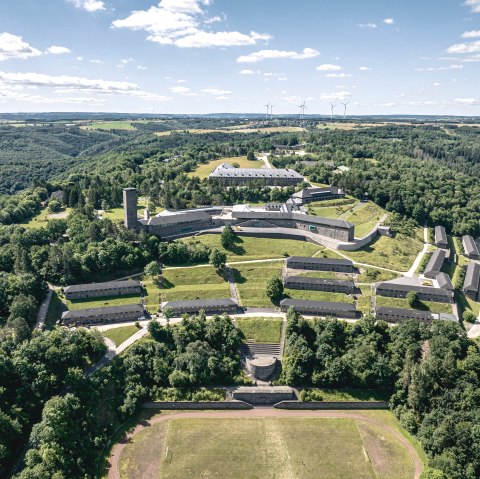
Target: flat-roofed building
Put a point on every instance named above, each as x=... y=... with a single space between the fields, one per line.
x=471 y=284
x=425 y=293
x=209 y=306
x=470 y=247
x=110 y=314
x=320 y=308
x=228 y=175
x=168 y=224
x=435 y=264
x=320 y=284
x=339 y=265
x=108 y=288
x=441 y=237
x=444 y=281
x=309 y=195
x=397 y=315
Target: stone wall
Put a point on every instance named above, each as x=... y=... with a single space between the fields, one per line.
x=192 y=405
x=326 y=405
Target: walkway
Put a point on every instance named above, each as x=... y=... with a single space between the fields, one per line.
x=42 y=312
x=114 y=471
x=411 y=272
x=231 y=283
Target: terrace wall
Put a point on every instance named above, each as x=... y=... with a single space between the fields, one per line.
x=328 y=405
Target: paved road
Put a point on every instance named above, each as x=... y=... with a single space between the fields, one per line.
x=231 y=283
x=114 y=471
x=411 y=272
x=42 y=312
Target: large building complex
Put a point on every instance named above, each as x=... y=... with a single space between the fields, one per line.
x=425 y=293
x=470 y=247
x=110 y=314
x=309 y=195
x=209 y=306
x=231 y=176
x=396 y=315
x=339 y=265
x=97 y=290
x=320 y=308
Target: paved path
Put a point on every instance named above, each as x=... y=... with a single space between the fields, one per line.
x=265 y=159
x=411 y=272
x=114 y=472
x=42 y=312
x=231 y=283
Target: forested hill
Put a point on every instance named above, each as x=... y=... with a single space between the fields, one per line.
x=41 y=153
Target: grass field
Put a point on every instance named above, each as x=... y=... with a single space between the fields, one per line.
x=254 y=448
x=203 y=170
x=110 y=125
x=186 y=283
x=42 y=218
x=318 y=295
x=121 y=334
x=116 y=214
x=102 y=302
x=424 y=305
x=364 y=301
x=365 y=217
x=466 y=304
x=260 y=330
x=329 y=211
x=251 y=280
x=249 y=248
x=55 y=310
x=371 y=275
x=396 y=253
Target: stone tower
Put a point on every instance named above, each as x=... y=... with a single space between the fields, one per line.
x=130 y=219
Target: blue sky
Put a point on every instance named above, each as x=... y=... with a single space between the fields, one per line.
x=202 y=56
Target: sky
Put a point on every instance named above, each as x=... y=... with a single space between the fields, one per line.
x=206 y=56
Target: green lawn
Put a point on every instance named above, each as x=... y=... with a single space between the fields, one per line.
x=372 y=275
x=87 y=303
x=396 y=253
x=260 y=330
x=424 y=305
x=342 y=395
x=466 y=304
x=203 y=170
x=121 y=334
x=55 y=310
x=251 y=280
x=249 y=248
x=341 y=448
x=186 y=283
x=42 y=218
x=110 y=125
x=116 y=214
x=364 y=301
x=364 y=218
x=319 y=209
x=318 y=296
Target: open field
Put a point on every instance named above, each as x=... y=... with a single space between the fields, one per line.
x=333 y=211
x=318 y=295
x=424 y=305
x=186 y=283
x=352 y=446
x=116 y=214
x=365 y=217
x=204 y=169
x=364 y=301
x=466 y=304
x=260 y=330
x=250 y=248
x=120 y=334
x=251 y=280
x=102 y=302
x=371 y=275
x=42 y=218
x=111 y=125
x=396 y=253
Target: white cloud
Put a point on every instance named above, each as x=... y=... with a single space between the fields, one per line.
x=182 y=23
x=465 y=101
x=125 y=61
x=453 y=66
x=471 y=34
x=56 y=50
x=222 y=97
x=389 y=21
x=141 y=67
x=389 y=104
x=66 y=83
x=80 y=59
x=474 y=4
x=335 y=96
x=247 y=72
x=12 y=46
x=96 y=60
x=182 y=90
x=216 y=91
x=261 y=55
x=367 y=25
x=459 y=48
x=436 y=83
x=282 y=78
x=89 y=5
x=365 y=69
x=219 y=39
x=337 y=75
x=328 y=67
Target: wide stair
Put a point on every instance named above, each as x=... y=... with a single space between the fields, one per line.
x=260 y=349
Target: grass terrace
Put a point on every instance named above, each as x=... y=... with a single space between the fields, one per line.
x=423 y=306
x=204 y=169
x=372 y=275
x=364 y=217
x=319 y=296
x=121 y=334
x=260 y=330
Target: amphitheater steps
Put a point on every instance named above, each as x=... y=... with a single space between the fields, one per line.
x=260 y=349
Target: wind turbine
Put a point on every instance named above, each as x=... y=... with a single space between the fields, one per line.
x=332 y=107
x=271 y=111
x=268 y=110
x=302 y=107
x=345 y=109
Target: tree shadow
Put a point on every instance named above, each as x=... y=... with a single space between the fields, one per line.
x=236 y=247
x=164 y=283
x=238 y=277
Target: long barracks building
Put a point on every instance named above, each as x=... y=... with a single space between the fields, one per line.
x=98 y=290
x=319 y=284
x=108 y=315
x=425 y=293
x=339 y=265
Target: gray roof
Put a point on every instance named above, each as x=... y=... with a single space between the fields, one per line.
x=200 y=303
x=409 y=287
x=80 y=288
x=253 y=173
x=444 y=281
x=469 y=246
x=307 y=279
x=309 y=192
x=95 y=312
x=178 y=218
x=318 y=305
x=323 y=261
x=436 y=261
x=275 y=215
x=412 y=313
x=440 y=234
x=472 y=277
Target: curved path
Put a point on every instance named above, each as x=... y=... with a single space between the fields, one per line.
x=114 y=472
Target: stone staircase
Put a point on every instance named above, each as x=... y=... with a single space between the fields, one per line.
x=250 y=349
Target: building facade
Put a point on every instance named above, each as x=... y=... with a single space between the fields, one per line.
x=470 y=247
x=397 y=315
x=309 y=195
x=435 y=264
x=209 y=306
x=471 y=284
x=319 y=284
x=320 y=264
x=441 y=237
x=98 y=290
x=108 y=315
x=425 y=293
x=320 y=308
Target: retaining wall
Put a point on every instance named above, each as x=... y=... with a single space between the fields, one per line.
x=170 y=405
x=325 y=405
x=359 y=243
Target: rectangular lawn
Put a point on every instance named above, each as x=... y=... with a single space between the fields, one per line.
x=261 y=330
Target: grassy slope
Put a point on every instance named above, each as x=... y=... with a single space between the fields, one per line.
x=41 y=219
x=318 y=295
x=54 y=312
x=365 y=218
x=102 y=302
x=403 y=303
x=121 y=334
x=261 y=330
